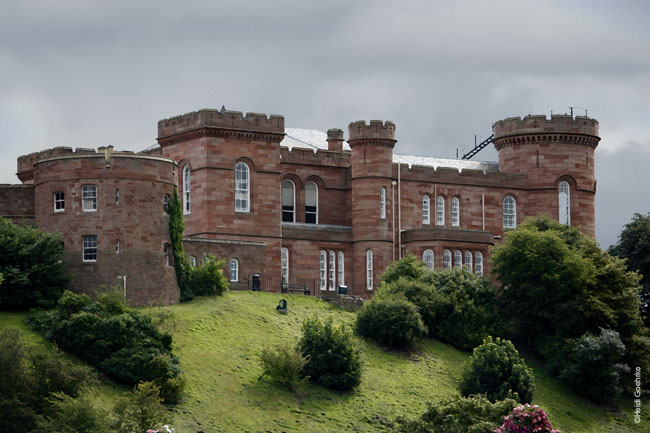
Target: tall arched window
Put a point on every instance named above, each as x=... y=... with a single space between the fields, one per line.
x=382 y=203
x=332 y=270
x=446 y=259
x=284 y=265
x=440 y=211
x=509 y=212
x=192 y=261
x=341 y=268
x=323 y=270
x=369 y=265
x=311 y=203
x=288 y=202
x=427 y=258
x=564 y=199
x=426 y=219
x=468 y=261
x=242 y=187
x=234 y=270
x=455 y=211
x=187 y=193
x=478 y=266
x=458 y=259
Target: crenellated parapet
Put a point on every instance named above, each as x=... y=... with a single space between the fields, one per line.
x=377 y=133
x=539 y=129
x=465 y=177
x=321 y=157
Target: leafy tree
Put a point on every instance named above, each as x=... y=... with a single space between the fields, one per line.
x=407 y=267
x=208 y=279
x=181 y=263
x=141 y=411
x=31 y=264
x=73 y=415
x=392 y=322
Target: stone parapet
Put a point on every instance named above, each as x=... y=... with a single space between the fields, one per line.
x=557 y=128
x=376 y=131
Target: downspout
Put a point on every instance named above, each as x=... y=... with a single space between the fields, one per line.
x=392 y=200
x=399 y=210
x=483 y=209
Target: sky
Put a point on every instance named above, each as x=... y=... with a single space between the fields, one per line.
x=89 y=74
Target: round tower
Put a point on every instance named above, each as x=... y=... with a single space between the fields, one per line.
x=557 y=155
x=371 y=166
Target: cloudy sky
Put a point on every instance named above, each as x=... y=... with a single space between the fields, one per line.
x=89 y=73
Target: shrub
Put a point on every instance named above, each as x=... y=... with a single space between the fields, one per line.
x=334 y=358
x=78 y=415
x=527 y=419
x=208 y=279
x=457 y=414
x=496 y=370
x=390 y=322
x=283 y=364
x=407 y=267
x=141 y=411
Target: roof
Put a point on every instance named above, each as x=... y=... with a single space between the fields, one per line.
x=309 y=138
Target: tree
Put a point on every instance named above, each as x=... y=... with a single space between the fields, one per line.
x=634 y=245
x=181 y=264
x=141 y=411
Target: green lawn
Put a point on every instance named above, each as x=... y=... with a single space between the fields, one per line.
x=219 y=341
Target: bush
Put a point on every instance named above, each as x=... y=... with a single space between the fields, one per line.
x=334 y=358
x=141 y=411
x=457 y=414
x=208 y=279
x=78 y=415
x=496 y=370
x=283 y=364
x=527 y=419
x=390 y=322
x=407 y=267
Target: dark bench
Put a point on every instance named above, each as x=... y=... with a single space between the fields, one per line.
x=295 y=288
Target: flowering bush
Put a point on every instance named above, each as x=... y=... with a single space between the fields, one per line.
x=527 y=419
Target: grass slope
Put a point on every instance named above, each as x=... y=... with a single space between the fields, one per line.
x=219 y=341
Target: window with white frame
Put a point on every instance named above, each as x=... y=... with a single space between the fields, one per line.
x=468 y=261
x=166 y=254
x=341 y=268
x=332 y=270
x=564 y=199
x=369 y=267
x=288 y=202
x=440 y=210
x=165 y=203
x=187 y=190
x=234 y=270
x=117 y=196
x=193 y=261
x=89 y=198
x=426 y=218
x=382 y=203
x=242 y=187
x=446 y=259
x=284 y=265
x=455 y=211
x=478 y=265
x=90 y=248
x=427 y=258
x=59 y=201
x=323 y=270
x=458 y=259
x=311 y=203
x=117 y=246
x=509 y=212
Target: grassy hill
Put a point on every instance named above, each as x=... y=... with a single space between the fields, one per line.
x=219 y=341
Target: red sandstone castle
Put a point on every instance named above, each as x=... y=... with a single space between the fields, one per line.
x=301 y=209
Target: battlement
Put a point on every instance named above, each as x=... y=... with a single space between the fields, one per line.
x=223 y=119
x=375 y=130
x=540 y=124
x=321 y=157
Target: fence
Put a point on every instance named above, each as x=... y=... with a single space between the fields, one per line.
x=274 y=284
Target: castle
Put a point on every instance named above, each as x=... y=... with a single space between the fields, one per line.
x=302 y=210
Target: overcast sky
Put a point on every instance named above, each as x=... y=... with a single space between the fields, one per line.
x=89 y=74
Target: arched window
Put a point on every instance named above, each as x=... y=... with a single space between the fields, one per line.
x=446 y=259
x=234 y=270
x=509 y=212
x=426 y=210
x=288 y=202
x=440 y=211
x=332 y=270
x=478 y=266
x=284 y=265
x=369 y=283
x=427 y=258
x=165 y=203
x=468 y=261
x=455 y=211
x=187 y=194
x=323 y=270
x=192 y=261
x=382 y=203
x=242 y=187
x=341 y=268
x=564 y=199
x=166 y=254
x=311 y=203
x=458 y=259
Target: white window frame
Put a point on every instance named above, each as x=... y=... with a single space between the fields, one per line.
x=440 y=210
x=468 y=261
x=332 y=270
x=59 y=201
x=166 y=253
x=242 y=187
x=458 y=259
x=478 y=263
x=166 y=203
x=369 y=270
x=293 y=201
x=428 y=258
x=509 y=212
x=341 y=268
x=187 y=190
x=455 y=211
x=117 y=246
x=193 y=261
x=317 y=207
x=382 y=203
x=89 y=198
x=323 y=270
x=117 y=196
x=426 y=209
x=284 y=265
x=89 y=248
x=564 y=203
x=234 y=270
x=446 y=259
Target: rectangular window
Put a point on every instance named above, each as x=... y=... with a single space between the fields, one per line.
x=341 y=268
x=89 y=198
x=284 y=265
x=166 y=253
x=382 y=203
x=90 y=248
x=369 y=271
x=332 y=270
x=323 y=270
x=117 y=246
x=59 y=201
x=117 y=196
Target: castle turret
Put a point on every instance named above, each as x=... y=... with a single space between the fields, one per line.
x=557 y=154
